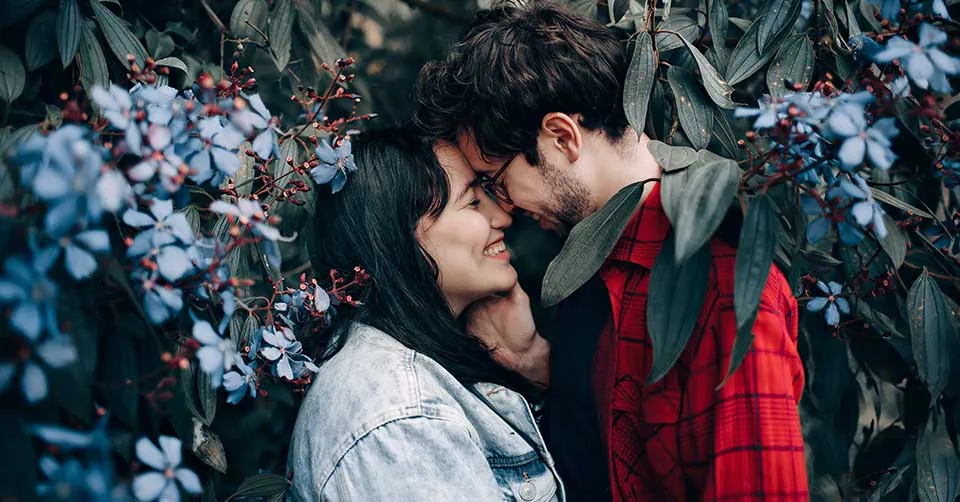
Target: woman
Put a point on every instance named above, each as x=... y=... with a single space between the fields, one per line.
x=407 y=406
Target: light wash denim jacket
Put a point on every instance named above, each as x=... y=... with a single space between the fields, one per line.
x=384 y=423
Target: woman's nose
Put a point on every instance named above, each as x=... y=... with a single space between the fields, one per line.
x=495 y=212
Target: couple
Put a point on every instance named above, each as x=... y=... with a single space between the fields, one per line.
x=424 y=391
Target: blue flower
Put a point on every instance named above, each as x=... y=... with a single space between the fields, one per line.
x=216 y=148
x=113 y=190
x=66 y=439
x=833 y=302
x=161 y=302
x=55 y=352
x=334 y=164
x=768 y=113
x=79 y=250
x=255 y=118
x=164 y=233
x=925 y=64
x=240 y=383
x=117 y=107
x=160 y=158
x=849 y=123
x=249 y=212
x=283 y=350
x=162 y=483
x=865 y=210
x=69 y=184
x=72 y=481
x=32 y=293
x=216 y=352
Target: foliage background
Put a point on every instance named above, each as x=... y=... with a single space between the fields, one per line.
x=868 y=412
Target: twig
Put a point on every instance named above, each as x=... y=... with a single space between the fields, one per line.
x=213 y=16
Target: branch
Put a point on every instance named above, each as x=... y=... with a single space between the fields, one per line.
x=437 y=10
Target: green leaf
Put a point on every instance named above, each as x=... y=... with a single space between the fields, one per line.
x=826 y=11
x=746 y=59
x=173 y=62
x=281 y=33
x=68 y=30
x=938 y=469
x=660 y=114
x=159 y=45
x=676 y=294
x=262 y=485
x=246 y=15
x=188 y=385
x=891 y=200
x=38 y=50
x=850 y=20
x=878 y=321
x=324 y=47
x=867 y=10
x=716 y=87
x=207 y=395
x=119 y=373
x=741 y=347
x=208 y=447
x=588 y=245
x=775 y=18
x=743 y=24
x=93 y=64
x=894 y=243
x=672 y=158
x=617 y=9
x=669 y=29
x=793 y=63
x=12 y=75
x=586 y=8
x=723 y=133
x=709 y=189
x=18 y=467
x=639 y=82
x=758 y=238
x=932 y=332
x=719 y=21
x=121 y=41
x=695 y=112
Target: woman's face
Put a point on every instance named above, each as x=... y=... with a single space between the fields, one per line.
x=466 y=238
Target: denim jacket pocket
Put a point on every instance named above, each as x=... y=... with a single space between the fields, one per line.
x=523 y=478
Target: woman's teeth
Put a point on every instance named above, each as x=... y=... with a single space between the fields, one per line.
x=495 y=249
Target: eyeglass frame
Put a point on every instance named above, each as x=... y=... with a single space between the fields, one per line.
x=492 y=185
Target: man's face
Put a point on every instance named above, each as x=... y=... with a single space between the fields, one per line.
x=547 y=192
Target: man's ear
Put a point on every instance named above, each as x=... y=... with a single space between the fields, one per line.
x=562 y=131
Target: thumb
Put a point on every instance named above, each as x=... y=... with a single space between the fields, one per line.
x=517 y=295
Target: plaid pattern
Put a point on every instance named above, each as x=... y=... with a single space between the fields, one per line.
x=679 y=439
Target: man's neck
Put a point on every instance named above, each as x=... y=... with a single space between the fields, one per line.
x=629 y=161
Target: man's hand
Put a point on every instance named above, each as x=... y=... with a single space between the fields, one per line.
x=505 y=324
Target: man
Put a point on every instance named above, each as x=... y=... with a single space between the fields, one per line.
x=533 y=97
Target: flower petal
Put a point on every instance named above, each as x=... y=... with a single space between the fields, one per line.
x=26 y=318
x=161 y=208
x=7 y=371
x=156 y=309
x=148 y=486
x=149 y=454
x=226 y=161
x=62 y=215
x=189 y=481
x=228 y=138
x=832 y=315
x=50 y=183
x=10 y=291
x=283 y=368
x=80 y=263
x=173 y=262
x=847 y=120
x=171 y=447
x=203 y=332
x=33 y=383
x=930 y=36
x=57 y=352
x=271 y=353
x=843 y=305
x=920 y=69
x=137 y=219
x=170 y=493
x=817 y=230
x=211 y=359
x=896 y=48
x=852 y=151
x=95 y=240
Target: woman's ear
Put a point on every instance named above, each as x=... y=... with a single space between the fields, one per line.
x=562 y=132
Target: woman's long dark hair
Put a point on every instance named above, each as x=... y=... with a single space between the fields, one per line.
x=371 y=223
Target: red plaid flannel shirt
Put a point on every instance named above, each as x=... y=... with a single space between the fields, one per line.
x=679 y=439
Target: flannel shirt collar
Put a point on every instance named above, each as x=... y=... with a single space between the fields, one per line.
x=644 y=234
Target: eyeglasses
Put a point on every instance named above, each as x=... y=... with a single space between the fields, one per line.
x=493 y=186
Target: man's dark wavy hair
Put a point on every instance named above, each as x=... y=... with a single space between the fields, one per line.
x=513 y=66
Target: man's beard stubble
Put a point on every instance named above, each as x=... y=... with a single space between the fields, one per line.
x=570 y=200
